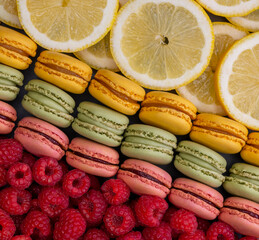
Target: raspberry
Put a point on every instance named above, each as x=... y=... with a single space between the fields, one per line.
x=184 y=221
x=15 y=202
x=7 y=227
x=93 y=207
x=21 y=237
x=95 y=184
x=248 y=238
x=71 y=225
x=35 y=204
x=150 y=210
x=53 y=201
x=36 y=224
x=10 y=152
x=3 y=173
x=203 y=224
x=19 y=175
x=131 y=236
x=119 y=220
x=197 y=235
x=96 y=234
x=63 y=166
x=17 y=219
x=115 y=191
x=46 y=171
x=163 y=231
x=28 y=159
x=220 y=229
x=35 y=189
x=168 y=214
x=76 y=183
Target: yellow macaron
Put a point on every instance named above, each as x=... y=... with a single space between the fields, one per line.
x=168 y=111
x=250 y=152
x=219 y=133
x=63 y=71
x=116 y=91
x=16 y=48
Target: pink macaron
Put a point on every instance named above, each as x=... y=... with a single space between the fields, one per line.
x=7 y=118
x=145 y=178
x=199 y=198
x=93 y=158
x=41 y=138
x=242 y=215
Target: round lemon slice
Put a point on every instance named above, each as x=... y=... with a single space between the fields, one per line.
x=230 y=8
x=238 y=81
x=162 y=44
x=249 y=22
x=67 y=25
x=201 y=91
x=8 y=13
x=99 y=55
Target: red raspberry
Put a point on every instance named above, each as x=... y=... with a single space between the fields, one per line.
x=35 y=204
x=10 y=152
x=150 y=210
x=184 y=221
x=163 y=231
x=115 y=191
x=93 y=207
x=28 y=159
x=197 y=235
x=17 y=219
x=168 y=214
x=7 y=227
x=15 y=202
x=53 y=201
x=131 y=236
x=19 y=175
x=119 y=220
x=71 y=225
x=96 y=234
x=21 y=237
x=203 y=224
x=76 y=183
x=64 y=167
x=46 y=171
x=95 y=184
x=220 y=229
x=248 y=238
x=3 y=173
x=36 y=224
x=132 y=205
x=35 y=189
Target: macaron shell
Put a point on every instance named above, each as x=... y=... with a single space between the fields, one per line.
x=11 y=74
x=8 y=93
x=8 y=111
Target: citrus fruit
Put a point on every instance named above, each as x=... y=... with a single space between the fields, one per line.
x=249 y=22
x=162 y=44
x=237 y=81
x=8 y=13
x=230 y=8
x=99 y=55
x=201 y=91
x=122 y=2
x=67 y=25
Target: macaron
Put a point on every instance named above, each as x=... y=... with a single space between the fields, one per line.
x=41 y=138
x=168 y=111
x=145 y=178
x=10 y=81
x=149 y=143
x=219 y=133
x=242 y=215
x=64 y=71
x=92 y=157
x=243 y=181
x=7 y=118
x=250 y=152
x=116 y=91
x=49 y=103
x=197 y=197
x=200 y=163
x=16 y=48
x=100 y=123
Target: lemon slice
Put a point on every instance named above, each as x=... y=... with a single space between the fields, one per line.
x=122 y=2
x=238 y=81
x=249 y=22
x=67 y=25
x=230 y=8
x=99 y=55
x=162 y=44
x=201 y=92
x=8 y=13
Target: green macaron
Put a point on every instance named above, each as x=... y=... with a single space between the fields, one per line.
x=10 y=81
x=243 y=181
x=49 y=103
x=200 y=163
x=149 y=143
x=100 y=123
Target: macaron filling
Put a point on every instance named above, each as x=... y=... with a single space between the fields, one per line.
x=254 y=215
x=14 y=49
x=6 y=118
